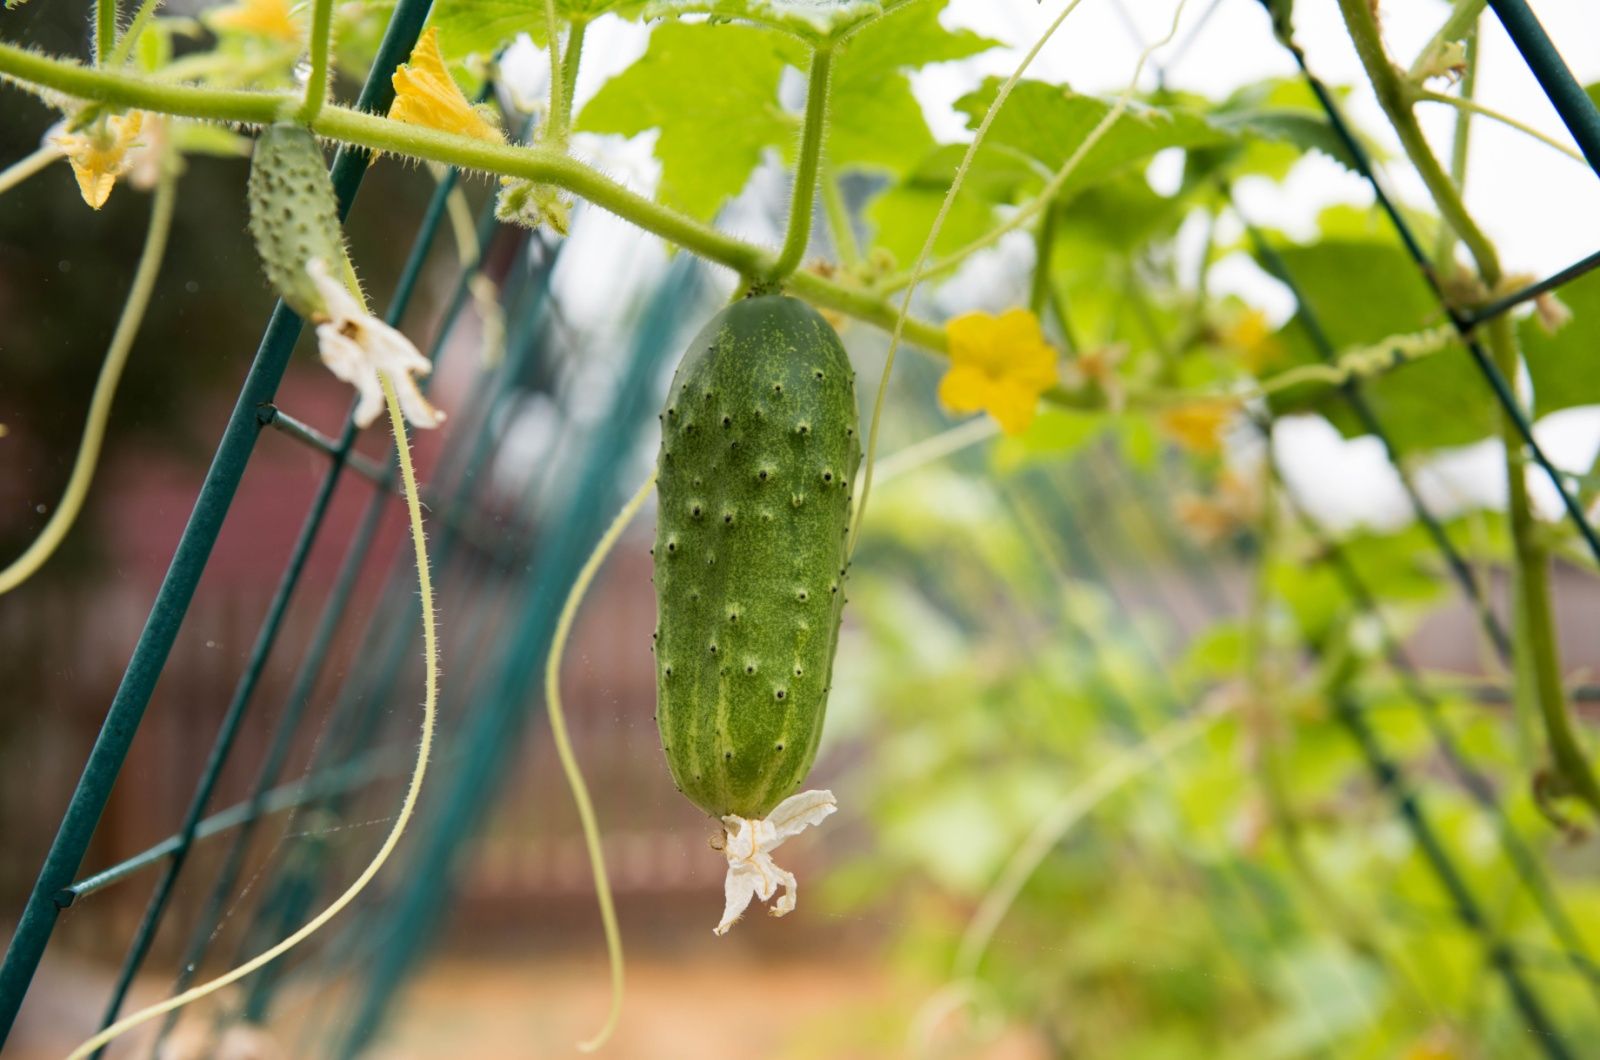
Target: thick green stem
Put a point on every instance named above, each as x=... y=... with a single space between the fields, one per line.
x=1537 y=655
x=317 y=82
x=537 y=163
x=1395 y=97
x=805 y=170
x=105 y=29
x=839 y=223
x=570 y=58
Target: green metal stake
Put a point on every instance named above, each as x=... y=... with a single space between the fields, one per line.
x=1577 y=110
x=183 y=574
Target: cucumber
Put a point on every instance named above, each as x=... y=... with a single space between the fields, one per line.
x=760 y=442
x=293 y=215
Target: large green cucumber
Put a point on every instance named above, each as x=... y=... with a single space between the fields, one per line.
x=760 y=443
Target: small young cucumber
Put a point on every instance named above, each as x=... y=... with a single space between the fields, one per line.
x=760 y=443
x=293 y=215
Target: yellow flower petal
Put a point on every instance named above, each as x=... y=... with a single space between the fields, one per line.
x=964 y=389
x=99 y=153
x=426 y=94
x=262 y=18
x=1000 y=364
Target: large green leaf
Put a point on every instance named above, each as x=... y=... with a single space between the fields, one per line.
x=1565 y=366
x=712 y=91
x=1360 y=292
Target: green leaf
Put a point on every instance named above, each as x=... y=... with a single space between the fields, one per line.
x=1360 y=292
x=902 y=216
x=813 y=20
x=1562 y=365
x=712 y=91
x=1047 y=123
x=1277 y=121
x=483 y=27
x=1039 y=127
x=875 y=122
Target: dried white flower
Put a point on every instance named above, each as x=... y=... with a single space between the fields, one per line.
x=356 y=346
x=751 y=871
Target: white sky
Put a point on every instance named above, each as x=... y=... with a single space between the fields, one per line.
x=1541 y=208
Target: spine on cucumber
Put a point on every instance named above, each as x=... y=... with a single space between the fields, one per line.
x=760 y=443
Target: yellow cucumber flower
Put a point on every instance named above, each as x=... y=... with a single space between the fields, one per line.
x=999 y=364
x=261 y=18
x=1198 y=425
x=425 y=94
x=1250 y=334
x=99 y=153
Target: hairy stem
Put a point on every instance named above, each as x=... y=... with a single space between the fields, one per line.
x=555 y=129
x=538 y=163
x=105 y=30
x=805 y=170
x=317 y=83
x=570 y=59
x=141 y=19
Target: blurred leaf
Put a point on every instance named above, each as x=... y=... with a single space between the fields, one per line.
x=483 y=27
x=1048 y=123
x=1562 y=365
x=712 y=91
x=1039 y=127
x=1359 y=292
x=902 y=216
x=1054 y=433
x=815 y=20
